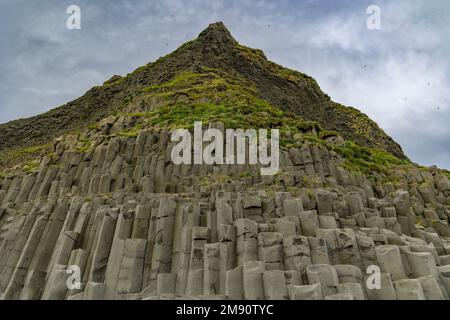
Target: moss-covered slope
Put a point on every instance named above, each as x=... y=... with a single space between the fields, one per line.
x=210 y=78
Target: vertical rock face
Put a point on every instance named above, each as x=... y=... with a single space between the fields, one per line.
x=107 y=214
x=219 y=239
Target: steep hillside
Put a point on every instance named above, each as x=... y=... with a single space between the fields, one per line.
x=214 y=48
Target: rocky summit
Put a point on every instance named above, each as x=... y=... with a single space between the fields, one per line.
x=93 y=207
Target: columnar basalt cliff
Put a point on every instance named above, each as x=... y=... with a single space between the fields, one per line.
x=91 y=184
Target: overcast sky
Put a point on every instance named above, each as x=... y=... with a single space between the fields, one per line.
x=398 y=75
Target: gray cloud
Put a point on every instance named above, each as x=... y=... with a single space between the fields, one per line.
x=398 y=75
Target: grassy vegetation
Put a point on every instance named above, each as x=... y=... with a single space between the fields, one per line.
x=120 y=79
x=366 y=159
x=83 y=145
x=127 y=99
x=245 y=174
x=425 y=223
x=211 y=96
x=129 y=134
x=328 y=133
x=113 y=80
x=31 y=166
x=14 y=157
x=250 y=53
x=132 y=132
x=446 y=172
x=94 y=126
x=183 y=46
x=361 y=124
x=245 y=116
x=186 y=80
x=358 y=158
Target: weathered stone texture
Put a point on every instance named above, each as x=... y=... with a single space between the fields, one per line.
x=138 y=226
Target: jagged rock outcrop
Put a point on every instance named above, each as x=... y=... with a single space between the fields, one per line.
x=107 y=201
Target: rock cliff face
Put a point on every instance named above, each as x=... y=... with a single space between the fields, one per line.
x=106 y=199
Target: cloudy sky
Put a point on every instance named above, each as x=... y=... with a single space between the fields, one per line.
x=398 y=75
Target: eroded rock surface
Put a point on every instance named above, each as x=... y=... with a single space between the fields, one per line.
x=139 y=227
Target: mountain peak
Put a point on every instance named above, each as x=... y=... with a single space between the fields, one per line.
x=217 y=33
x=231 y=69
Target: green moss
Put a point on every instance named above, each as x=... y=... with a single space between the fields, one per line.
x=136 y=71
x=366 y=159
x=425 y=223
x=186 y=45
x=132 y=132
x=250 y=53
x=94 y=126
x=256 y=55
x=139 y=70
x=358 y=158
x=245 y=174
x=18 y=156
x=254 y=115
x=83 y=145
x=112 y=81
x=204 y=181
x=207 y=79
x=361 y=126
x=314 y=140
x=209 y=95
x=183 y=46
x=136 y=114
x=223 y=178
x=328 y=133
x=31 y=166
x=32 y=150
x=127 y=99
x=446 y=172
x=50 y=155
